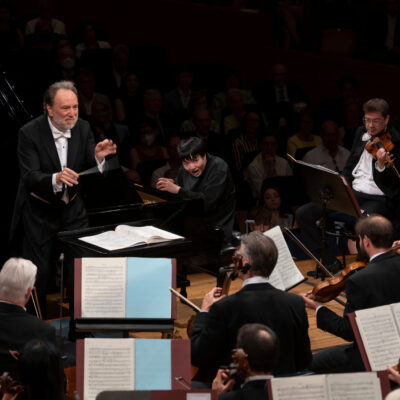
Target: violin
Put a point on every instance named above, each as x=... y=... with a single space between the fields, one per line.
x=328 y=289
x=382 y=141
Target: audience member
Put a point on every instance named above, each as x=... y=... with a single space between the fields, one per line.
x=280 y=99
x=233 y=80
x=235 y=110
x=329 y=154
x=86 y=83
x=176 y=101
x=89 y=41
x=171 y=168
x=45 y=10
x=272 y=201
x=259 y=219
x=202 y=128
x=254 y=359
x=152 y=102
x=66 y=67
x=128 y=103
x=147 y=155
x=304 y=139
x=245 y=147
x=104 y=128
x=17 y=327
x=265 y=165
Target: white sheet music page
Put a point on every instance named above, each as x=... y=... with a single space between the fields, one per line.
x=104 y=287
x=396 y=313
x=109 y=365
x=380 y=337
x=354 y=386
x=285 y=271
x=311 y=387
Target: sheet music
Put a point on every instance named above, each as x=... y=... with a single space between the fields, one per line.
x=108 y=365
x=354 y=386
x=396 y=313
x=379 y=335
x=147 y=232
x=285 y=274
x=104 y=287
x=300 y=388
x=112 y=240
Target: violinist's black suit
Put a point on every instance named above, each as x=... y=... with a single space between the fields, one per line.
x=41 y=220
x=214 y=333
x=375 y=285
x=17 y=327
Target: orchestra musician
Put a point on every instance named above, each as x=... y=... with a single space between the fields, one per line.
x=215 y=328
x=374 y=285
x=254 y=359
x=52 y=150
x=373 y=181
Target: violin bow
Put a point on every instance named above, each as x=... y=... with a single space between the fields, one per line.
x=304 y=248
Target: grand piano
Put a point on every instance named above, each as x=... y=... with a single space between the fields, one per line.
x=111 y=199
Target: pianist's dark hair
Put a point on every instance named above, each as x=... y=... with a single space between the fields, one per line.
x=191 y=147
x=50 y=94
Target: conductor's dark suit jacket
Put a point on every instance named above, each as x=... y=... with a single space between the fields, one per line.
x=17 y=327
x=214 y=333
x=375 y=285
x=38 y=161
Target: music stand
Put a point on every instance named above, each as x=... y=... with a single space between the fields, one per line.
x=328 y=189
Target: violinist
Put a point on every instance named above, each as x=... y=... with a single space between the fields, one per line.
x=375 y=285
x=374 y=183
x=254 y=359
x=215 y=328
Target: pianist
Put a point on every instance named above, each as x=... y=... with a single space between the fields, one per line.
x=204 y=176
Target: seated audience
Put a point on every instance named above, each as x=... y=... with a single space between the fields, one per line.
x=329 y=154
x=304 y=139
x=171 y=168
x=265 y=164
x=272 y=201
x=259 y=219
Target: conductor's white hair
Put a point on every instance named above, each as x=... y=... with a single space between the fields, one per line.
x=16 y=277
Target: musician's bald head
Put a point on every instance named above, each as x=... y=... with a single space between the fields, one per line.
x=378 y=229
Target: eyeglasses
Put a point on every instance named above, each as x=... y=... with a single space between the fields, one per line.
x=375 y=121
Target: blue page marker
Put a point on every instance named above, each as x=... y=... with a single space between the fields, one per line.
x=152 y=364
x=148 y=281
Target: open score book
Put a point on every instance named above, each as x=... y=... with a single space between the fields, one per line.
x=128 y=236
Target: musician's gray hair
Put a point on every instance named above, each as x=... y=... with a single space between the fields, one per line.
x=17 y=276
x=261 y=251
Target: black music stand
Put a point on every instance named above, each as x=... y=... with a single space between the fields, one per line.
x=328 y=189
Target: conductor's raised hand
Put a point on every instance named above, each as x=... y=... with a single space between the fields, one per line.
x=68 y=177
x=104 y=148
